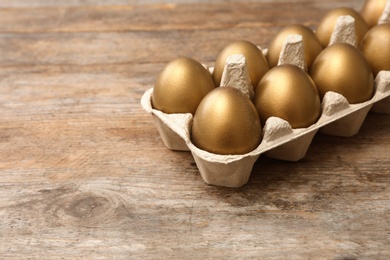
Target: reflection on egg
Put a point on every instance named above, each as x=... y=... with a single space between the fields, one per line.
x=311 y=44
x=181 y=86
x=342 y=68
x=226 y=122
x=372 y=11
x=328 y=22
x=288 y=92
x=376 y=47
x=256 y=61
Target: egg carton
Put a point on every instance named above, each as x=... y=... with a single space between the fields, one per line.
x=280 y=140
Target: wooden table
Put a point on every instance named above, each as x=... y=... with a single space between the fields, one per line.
x=84 y=173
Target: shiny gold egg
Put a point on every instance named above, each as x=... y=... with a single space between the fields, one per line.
x=342 y=68
x=256 y=61
x=181 y=86
x=376 y=47
x=226 y=122
x=288 y=92
x=372 y=11
x=311 y=44
x=326 y=26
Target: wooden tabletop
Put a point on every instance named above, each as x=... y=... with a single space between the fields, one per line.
x=85 y=174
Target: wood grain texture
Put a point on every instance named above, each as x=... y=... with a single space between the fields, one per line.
x=85 y=175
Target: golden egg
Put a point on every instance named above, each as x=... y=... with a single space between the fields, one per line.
x=226 y=122
x=326 y=26
x=311 y=44
x=372 y=11
x=256 y=61
x=376 y=47
x=342 y=68
x=288 y=92
x=181 y=86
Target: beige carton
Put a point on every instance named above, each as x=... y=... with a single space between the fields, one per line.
x=279 y=139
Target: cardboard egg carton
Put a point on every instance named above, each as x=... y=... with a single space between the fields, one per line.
x=280 y=140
